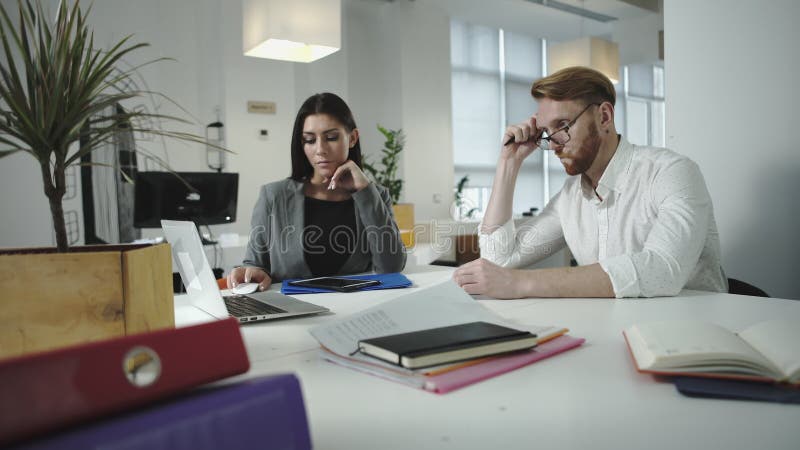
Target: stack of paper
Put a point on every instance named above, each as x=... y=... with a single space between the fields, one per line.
x=438 y=306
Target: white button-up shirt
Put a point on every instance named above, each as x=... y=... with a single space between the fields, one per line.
x=650 y=225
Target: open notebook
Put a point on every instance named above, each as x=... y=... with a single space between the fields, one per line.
x=764 y=351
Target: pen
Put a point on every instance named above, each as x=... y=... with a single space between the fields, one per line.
x=511 y=140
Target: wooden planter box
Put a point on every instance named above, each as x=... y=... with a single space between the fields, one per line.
x=50 y=300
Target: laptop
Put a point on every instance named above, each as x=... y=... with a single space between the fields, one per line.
x=204 y=294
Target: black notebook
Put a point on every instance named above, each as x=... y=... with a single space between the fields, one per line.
x=447 y=344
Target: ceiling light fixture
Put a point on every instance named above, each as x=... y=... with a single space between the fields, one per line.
x=593 y=52
x=291 y=30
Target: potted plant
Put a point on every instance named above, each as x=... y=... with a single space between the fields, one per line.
x=53 y=83
x=462 y=208
x=387 y=176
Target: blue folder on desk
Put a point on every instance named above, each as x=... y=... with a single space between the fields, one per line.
x=388 y=281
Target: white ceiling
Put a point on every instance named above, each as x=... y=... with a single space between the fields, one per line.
x=539 y=20
x=621 y=9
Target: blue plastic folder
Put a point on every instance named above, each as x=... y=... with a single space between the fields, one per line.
x=388 y=281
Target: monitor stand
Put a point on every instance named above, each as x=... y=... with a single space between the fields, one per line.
x=203 y=239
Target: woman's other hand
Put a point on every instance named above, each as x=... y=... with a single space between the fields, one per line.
x=349 y=177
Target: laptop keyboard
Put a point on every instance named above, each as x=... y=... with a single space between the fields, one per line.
x=242 y=305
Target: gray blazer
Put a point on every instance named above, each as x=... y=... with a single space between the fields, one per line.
x=276 y=232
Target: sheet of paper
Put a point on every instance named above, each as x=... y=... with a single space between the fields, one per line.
x=777 y=340
x=440 y=305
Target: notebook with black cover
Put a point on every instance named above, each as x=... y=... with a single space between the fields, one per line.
x=447 y=344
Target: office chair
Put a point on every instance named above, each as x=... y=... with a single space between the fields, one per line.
x=740 y=287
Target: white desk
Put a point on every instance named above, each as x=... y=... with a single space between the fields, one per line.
x=588 y=398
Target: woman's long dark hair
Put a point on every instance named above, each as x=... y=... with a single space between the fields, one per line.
x=324 y=103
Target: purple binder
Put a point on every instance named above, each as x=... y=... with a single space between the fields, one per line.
x=261 y=413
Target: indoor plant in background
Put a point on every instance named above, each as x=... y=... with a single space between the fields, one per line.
x=53 y=86
x=462 y=208
x=467 y=248
x=387 y=176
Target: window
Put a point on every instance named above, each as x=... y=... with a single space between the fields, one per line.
x=476 y=100
x=643 y=99
x=492 y=72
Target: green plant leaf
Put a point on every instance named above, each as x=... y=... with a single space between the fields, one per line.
x=387 y=175
x=96 y=164
x=4 y=153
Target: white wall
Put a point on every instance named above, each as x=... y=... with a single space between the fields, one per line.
x=374 y=61
x=26 y=213
x=732 y=106
x=426 y=105
x=638 y=39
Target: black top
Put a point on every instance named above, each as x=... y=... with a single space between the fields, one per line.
x=329 y=235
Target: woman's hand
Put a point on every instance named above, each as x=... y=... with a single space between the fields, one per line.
x=349 y=177
x=249 y=275
x=520 y=140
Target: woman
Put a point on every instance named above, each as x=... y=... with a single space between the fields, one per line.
x=327 y=218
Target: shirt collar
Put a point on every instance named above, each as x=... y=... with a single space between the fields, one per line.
x=611 y=180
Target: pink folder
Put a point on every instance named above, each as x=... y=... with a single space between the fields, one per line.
x=456 y=379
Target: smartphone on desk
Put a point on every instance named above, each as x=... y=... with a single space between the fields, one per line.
x=335 y=283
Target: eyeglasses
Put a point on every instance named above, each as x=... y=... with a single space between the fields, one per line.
x=560 y=136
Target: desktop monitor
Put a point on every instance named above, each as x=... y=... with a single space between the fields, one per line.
x=209 y=198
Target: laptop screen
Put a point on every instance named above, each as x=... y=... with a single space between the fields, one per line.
x=192 y=264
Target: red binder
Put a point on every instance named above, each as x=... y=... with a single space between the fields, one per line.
x=45 y=391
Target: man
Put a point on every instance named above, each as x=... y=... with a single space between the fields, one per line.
x=638 y=220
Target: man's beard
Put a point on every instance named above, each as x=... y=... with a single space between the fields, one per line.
x=582 y=160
